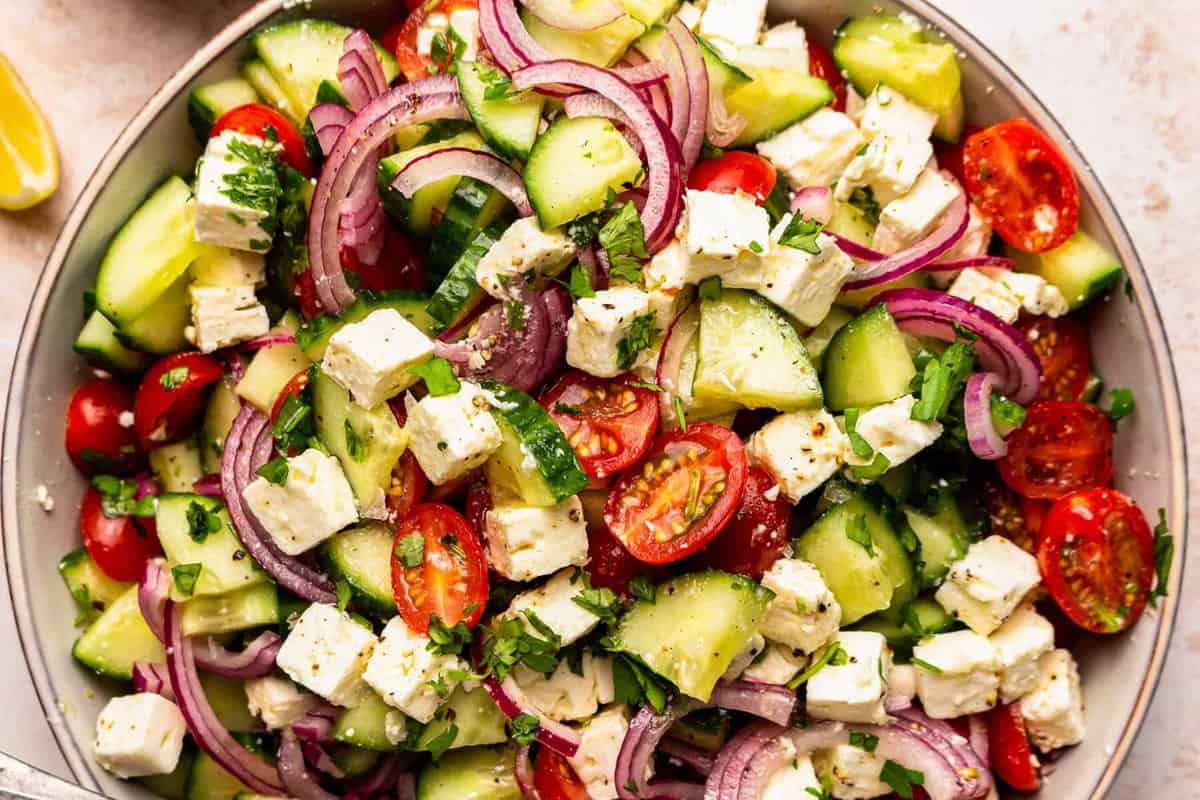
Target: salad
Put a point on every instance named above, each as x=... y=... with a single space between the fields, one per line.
x=599 y=400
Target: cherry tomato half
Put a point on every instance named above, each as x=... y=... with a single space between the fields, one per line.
x=1097 y=559
x=609 y=423
x=1061 y=448
x=254 y=119
x=735 y=171
x=171 y=396
x=821 y=65
x=1065 y=355
x=119 y=545
x=1012 y=516
x=408 y=488
x=555 y=780
x=400 y=266
x=97 y=442
x=759 y=534
x=1023 y=183
x=1008 y=746
x=683 y=494
x=293 y=388
x=451 y=579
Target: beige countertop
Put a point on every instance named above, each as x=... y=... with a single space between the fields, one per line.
x=1121 y=76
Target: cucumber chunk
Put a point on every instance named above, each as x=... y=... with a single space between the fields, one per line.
x=353 y=761
x=707 y=729
x=117 y=639
x=160 y=329
x=777 y=98
x=223 y=571
x=478 y=719
x=902 y=637
x=208 y=780
x=173 y=785
x=1081 y=268
x=177 y=465
x=817 y=341
x=416 y=214
x=509 y=125
x=228 y=700
x=269 y=371
x=943 y=535
x=650 y=12
x=207 y=103
x=92 y=590
x=867 y=363
x=474 y=773
x=100 y=347
x=851 y=222
x=313 y=337
x=750 y=354
x=362 y=556
x=574 y=165
x=258 y=75
x=366 y=725
x=601 y=47
x=861 y=298
x=695 y=628
x=473 y=205
x=458 y=294
x=223 y=408
x=253 y=607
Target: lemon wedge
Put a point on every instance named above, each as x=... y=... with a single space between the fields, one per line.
x=28 y=156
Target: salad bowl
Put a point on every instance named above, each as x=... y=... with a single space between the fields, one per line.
x=1129 y=343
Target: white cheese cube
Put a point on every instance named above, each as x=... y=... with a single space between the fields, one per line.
x=984 y=587
x=976 y=287
x=854 y=774
x=853 y=691
x=1020 y=642
x=802 y=284
x=957 y=674
x=452 y=434
x=224 y=316
x=771 y=57
x=524 y=248
x=814 y=151
x=889 y=166
x=600 y=743
x=326 y=652
x=465 y=22
x=902 y=682
x=554 y=604
x=889 y=113
x=668 y=269
x=794 y=780
x=788 y=35
x=562 y=695
x=804 y=614
x=139 y=734
x=690 y=14
x=601 y=324
x=777 y=664
x=277 y=701
x=856 y=104
x=1037 y=295
x=737 y=22
x=226 y=214
x=890 y=429
x=526 y=542
x=975 y=242
x=314 y=502
x=801 y=450
x=725 y=232
x=403 y=670
x=220 y=266
x=433 y=24
x=745 y=658
x=907 y=220
x=1053 y=711
x=371 y=358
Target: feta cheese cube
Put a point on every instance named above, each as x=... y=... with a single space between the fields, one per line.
x=777 y=665
x=600 y=743
x=745 y=658
x=814 y=151
x=139 y=734
x=465 y=22
x=1053 y=710
x=277 y=701
x=220 y=266
x=554 y=604
x=902 y=682
x=526 y=542
x=668 y=268
x=434 y=24
x=889 y=166
x=791 y=36
x=801 y=450
x=725 y=232
x=1037 y=295
x=984 y=587
x=314 y=502
x=227 y=214
x=737 y=22
x=804 y=614
x=562 y=695
x=890 y=429
x=802 y=284
x=452 y=434
x=223 y=316
x=853 y=691
x=602 y=323
x=1024 y=638
x=524 y=248
x=371 y=358
x=889 y=113
x=957 y=674
x=326 y=652
x=771 y=57
x=403 y=670
x=854 y=774
x=794 y=780
x=976 y=287
x=976 y=241
x=690 y=13
x=909 y=219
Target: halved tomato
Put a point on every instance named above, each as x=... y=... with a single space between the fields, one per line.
x=255 y=119
x=1061 y=448
x=1012 y=516
x=735 y=171
x=402 y=38
x=1008 y=746
x=555 y=780
x=822 y=65
x=759 y=534
x=609 y=422
x=120 y=545
x=96 y=439
x=1065 y=355
x=448 y=573
x=171 y=395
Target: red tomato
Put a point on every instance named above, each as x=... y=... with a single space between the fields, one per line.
x=292 y=388
x=120 y=545
x=554 y=779
x=451 y=581
x=1008 y=745
x=609 y=423
x=400 y=266
x=822 y=65
x=255 y=119
x=97 y=442
x=1022 y=182
x=1063 y=350
x=1097 y=559
x=402 y=38
x=171 y=396
x=1061 y=448
x=759 y=533
x=408 y=488
x=950 y=154
x=610 y=565
x=733 y=172
x=1012 y=516
x=682 y=496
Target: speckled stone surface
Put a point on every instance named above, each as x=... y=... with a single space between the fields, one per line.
x=1121 y=76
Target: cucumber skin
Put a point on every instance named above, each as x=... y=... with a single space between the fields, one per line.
x=844 y=385
x=314 y=335
x=370 y=599
x=472 y=206
x=99 y=650
x=473 y=773
x=1081 y=268
x=79 y=571
x=207 y=103
x=100 y=344
x=484 y=113
x=365 y=726
x=459 y=294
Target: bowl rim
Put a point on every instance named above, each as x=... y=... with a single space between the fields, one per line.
x=232 y=35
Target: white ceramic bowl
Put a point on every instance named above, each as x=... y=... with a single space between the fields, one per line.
x=1128 y=339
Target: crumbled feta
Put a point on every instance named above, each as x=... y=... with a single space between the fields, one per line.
x=889 y=167
x=976 y=287
x=957 y=674
x=227 y=214
x=725 y=233
x=433 y=24
x=554 y=604
x=42 y=496
x=745 y=658
x=563 y=695
x=1024 y=638
x=525 y=542
x=600 y=743
x=854 y=774
x=277 y=701
x=326 y=652
x=224 y=316
x=804 y=614
x=771 y=57
x=791 y=36
x=452 y=434
x=777 y=664
x=794 y=779
x=313 y=503
x=371 y=358
x=802 y=284
x=735 y=22
x=984 y=587
x=853 y=691
x=907 y=220
x=465 y=22
x=801 y=450
x=220 y=266
x=902 y=682
x=1037 y=295
x=890 y=429
x=668 y=268
x=139 y=734
x=599 y=339
x=524 y=248
x=404 y=671
x=889 y=113
x=1053 y=710
x=814 y=151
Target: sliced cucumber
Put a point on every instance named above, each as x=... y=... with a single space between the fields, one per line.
x=573 y=167
x=535 y=461
x=777 y=98
x=362 y=556
x=510 y=124
x=474 y=773
x=177 y=465
x=258 y=75
x=223 y=571
x=931 y=617
x=458 y=294
x=699 y=408
x=160 y=329
x=473 y=205
x=149 y=254
x=477 y=718
x=650 y=12
x=601 y=46
x=223 y=407
x=694 y=629
x=416 y=214
x=92 y=589
x=851 y=222
x=99 y=345
x=120 y=636
x=381 y=439
x=707 y=729
x=173 y=785
x=227 y=697
x=366 y=725
x=1081 y=268
x=207 y=103
x=209 y=780
x=867 y=363
x=722 y=74
x=818 y=339
x=269 y=371
x=861 y=298
x=253 y=607
x=943 y=535
x=751 y=355
x=353 y=761
x=314 y=335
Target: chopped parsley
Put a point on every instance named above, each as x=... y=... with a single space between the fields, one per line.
x=447 y=641
x=496 y=85
x=826 y=790
x=901 y=779
x=410 y=550
x=710 y=288
x=579 y=283
x=438 y=375
x=173 y=377
x=274 y=471
x=638 y=338
x=185 y=577
x=942 y=379
x=514 y=314
x=863 y=198
x=117 y=498
x=756 y=248
x=624 y=239
x=87 y=608
x=583 y=231
x=1007 y=416
x=834 y=655
x=445 y=48
x=864 y=741
x=680 y=415
x=256 y=185
x=861 y=447
x=925 y=665
x=643 y=589
x=1164 y=553
x=856 y=531
x=294 y=428
x=201 y=521
x=525 y=728
x=510 y=643
x=801 y=234
x=568 y=409
x=653 y=387
x=438 y=745
x=1121 y=404
x=342 y=588
x=637 y=686
x=355 y=446
x=602 y=602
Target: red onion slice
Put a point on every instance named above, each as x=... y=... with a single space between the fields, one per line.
x=387 y=774
x=328 y=121
x=938 y=243
x=297 y=780
x=980 y=262
x=764 y=700
x=645 y=732
x=699 y=761
x=766 y=762
x=406 y=786
x=269 y=340
x=856 y=250
x=597 y=275
x=986 y=442
x=969 y=770
x=523 y=770
x=359 y=70
x=569 y=17
x=675 y=346
x=722 y=127
x=759 y=736
x=509 y=698
x=152 y=679
x=978 y=737
x=209 y=486
x=815 y=203
x=460 y=161
x=696 y=72
x=677 y=89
